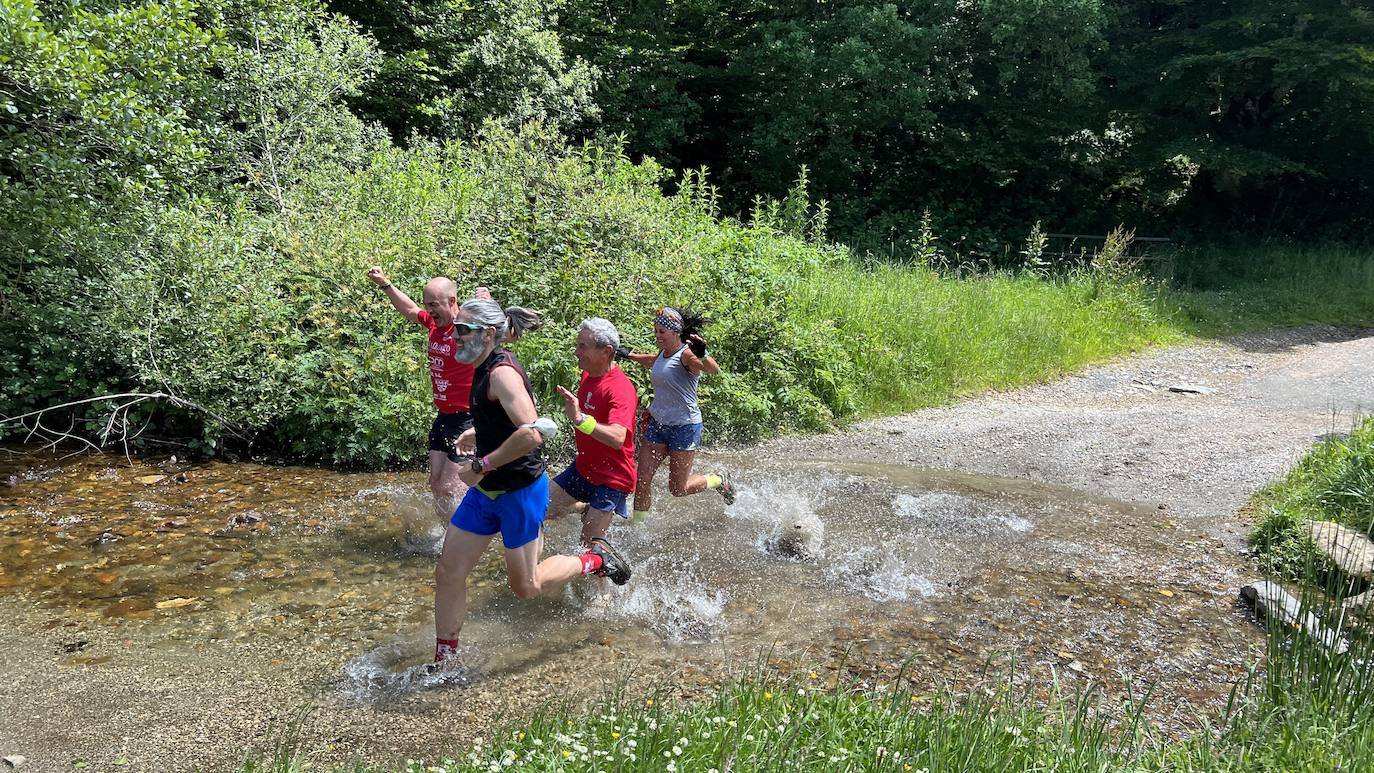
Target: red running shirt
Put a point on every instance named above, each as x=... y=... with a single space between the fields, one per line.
x=452 y=380
x=610 y=399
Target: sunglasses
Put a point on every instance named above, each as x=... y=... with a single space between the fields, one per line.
x=461 y=329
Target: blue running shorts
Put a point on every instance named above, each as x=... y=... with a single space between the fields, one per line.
x=603 y=498
x=678 y=437
x=517 y=514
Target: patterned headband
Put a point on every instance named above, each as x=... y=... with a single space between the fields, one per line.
x=670 y=318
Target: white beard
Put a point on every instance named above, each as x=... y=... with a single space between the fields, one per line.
x=471 y=349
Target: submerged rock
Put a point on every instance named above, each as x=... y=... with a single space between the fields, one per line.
x=1361 y=608
x=1269 y=599
x=797 y=539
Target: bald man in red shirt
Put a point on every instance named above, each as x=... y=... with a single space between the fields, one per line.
x=451 y=383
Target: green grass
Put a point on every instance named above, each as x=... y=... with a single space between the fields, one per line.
x=1334 y=482
x=1307 y=713
x=1233 y=289
x=921 y=337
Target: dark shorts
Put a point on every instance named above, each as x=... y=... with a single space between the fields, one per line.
x=678 y=437
x=603 y=498
x=517 y=514
x=444 y=432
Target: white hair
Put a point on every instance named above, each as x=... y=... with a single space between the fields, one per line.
x=603 y=332
x=510 y=322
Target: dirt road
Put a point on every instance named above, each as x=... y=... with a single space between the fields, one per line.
x=1117 y=430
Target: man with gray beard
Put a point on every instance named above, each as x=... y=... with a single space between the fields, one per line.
x=508 y=488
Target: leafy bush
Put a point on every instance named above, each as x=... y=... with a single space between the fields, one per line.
x=113 y=110
x=267 y=321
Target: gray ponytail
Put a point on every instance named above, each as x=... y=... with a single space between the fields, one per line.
x=520 y=320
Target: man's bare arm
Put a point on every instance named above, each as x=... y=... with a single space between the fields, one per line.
x=509 y=389
x=399 y=300
x=612 y=435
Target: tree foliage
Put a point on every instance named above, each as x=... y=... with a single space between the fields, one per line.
x=992 y=114
x=452 y=65
x=336 y=374
x=111 y=111
x=170 y=166
x=1251 y=114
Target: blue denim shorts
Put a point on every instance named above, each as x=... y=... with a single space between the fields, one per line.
x=678 y=437
x=518 y=514
x=603 y=498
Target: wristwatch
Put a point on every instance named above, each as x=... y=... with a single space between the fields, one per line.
x=477 y=465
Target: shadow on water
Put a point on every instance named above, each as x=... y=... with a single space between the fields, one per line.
x=881 y=565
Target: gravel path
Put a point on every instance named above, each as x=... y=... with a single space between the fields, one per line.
x=1117 y=430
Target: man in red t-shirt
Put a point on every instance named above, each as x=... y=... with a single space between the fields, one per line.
x=603 y=412
x=452 y=386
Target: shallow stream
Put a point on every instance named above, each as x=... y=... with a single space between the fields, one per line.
x=865 y=569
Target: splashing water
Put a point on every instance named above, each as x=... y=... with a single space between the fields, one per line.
x=314 y=555
x=779 y=517
x=421 y=532
x=397 y=667
x=881 y=574
x=671 y=600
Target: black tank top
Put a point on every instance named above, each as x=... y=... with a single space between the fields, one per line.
x=493 y=426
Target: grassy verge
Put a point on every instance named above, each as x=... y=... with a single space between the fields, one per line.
x=920 y=337
x=1307 y=713
x=1302 y=709
x=1334 y=482
x=1248 y=287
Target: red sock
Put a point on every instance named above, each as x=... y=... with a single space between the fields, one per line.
x=591 y=563
x=444 y=649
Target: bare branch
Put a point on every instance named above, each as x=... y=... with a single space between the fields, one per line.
x=116 y=423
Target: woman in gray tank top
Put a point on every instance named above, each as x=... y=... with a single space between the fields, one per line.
x=673 y=427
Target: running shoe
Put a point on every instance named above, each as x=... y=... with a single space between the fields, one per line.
x=613 y=567
x=449 y=672
x=727 y=490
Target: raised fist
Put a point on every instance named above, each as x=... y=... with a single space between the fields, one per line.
x=377 y=275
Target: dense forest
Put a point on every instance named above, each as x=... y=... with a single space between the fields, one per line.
x=190 y=191
x=1175 y=117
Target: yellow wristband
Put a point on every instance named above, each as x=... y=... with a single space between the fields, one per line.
x=587 y=426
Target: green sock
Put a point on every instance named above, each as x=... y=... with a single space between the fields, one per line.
x=638 y=516
x=713 y=481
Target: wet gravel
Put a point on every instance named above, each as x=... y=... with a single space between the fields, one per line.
x=1117 y=429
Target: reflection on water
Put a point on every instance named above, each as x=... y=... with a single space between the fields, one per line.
x=810 y=554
